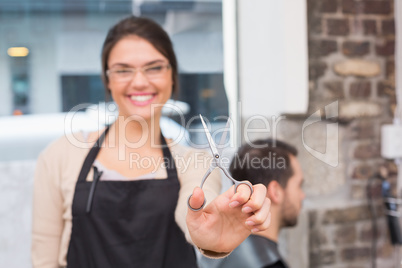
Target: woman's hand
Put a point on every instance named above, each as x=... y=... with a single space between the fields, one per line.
x=229 y=219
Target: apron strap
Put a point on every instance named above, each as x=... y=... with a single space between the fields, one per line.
x=89 y=160
x=168 y=160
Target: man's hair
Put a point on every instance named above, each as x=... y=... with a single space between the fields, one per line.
x=264 y=161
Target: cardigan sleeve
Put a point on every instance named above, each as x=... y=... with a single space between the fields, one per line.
x=47 y=217
x=191 y=168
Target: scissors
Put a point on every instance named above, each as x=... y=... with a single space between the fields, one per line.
x=216 y=163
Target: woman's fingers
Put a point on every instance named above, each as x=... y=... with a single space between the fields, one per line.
x=256 y=199
x=261 y=218
x=257 y=206
x=242 y=195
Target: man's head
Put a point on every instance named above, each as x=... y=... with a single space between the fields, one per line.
x=274 y=164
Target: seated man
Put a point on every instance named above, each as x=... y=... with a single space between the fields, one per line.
x=274 y=164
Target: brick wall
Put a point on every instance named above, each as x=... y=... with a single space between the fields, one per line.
x=351 y=60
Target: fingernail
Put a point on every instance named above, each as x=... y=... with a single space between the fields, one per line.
x=233 y=204
x=254 y=230
x=246 y=210
x=250 y=223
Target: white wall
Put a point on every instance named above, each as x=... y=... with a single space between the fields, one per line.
x=16 y=213
x=5 y=92
x=45 y=89
x=273 y=68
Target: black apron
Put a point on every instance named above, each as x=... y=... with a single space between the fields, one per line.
x=127 y=223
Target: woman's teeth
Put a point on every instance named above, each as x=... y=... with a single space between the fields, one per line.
x=141 y=97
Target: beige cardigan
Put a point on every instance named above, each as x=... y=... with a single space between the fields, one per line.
x=56 y=174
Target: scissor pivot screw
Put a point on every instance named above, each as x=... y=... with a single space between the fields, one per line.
x=217 y=156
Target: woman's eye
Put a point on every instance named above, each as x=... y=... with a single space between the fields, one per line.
x=154 y=69
x=123 y=71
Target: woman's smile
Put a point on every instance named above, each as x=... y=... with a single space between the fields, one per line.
x=142 y=99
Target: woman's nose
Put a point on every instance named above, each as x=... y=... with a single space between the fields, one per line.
x=139 y=80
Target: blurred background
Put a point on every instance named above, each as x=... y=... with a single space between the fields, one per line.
x=316 y=73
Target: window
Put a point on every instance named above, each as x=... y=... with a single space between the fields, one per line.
x=65 y=37
x=80 y=89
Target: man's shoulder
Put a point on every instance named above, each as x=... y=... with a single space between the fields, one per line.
x=255 y=251
x=278 y=264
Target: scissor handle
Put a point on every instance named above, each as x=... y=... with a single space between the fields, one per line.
x=195 y=209
x=202 y=184
x=238 y=183
x=235 y=182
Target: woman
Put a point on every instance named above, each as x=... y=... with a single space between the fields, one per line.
x=94 y=208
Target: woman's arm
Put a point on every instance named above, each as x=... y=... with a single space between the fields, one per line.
x=191 y=166
x=47 y=215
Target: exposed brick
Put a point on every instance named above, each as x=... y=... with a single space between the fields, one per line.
x=380 y=7
x=312 y=218
x=319 y=48
x=393 y=182
x=390 y=109
x=314 y=24
x=391 y=167
x=352 y=7
x=355 y=253
x=362 y=129
x=370 y=27
x=390 y=69
x=317 y=238
x=360 y=89
x=362 y=171
x=367 y=151
x=350 y=48
x=357 y=67
x=386 y=89
x=334 y=89
x=327 y=94
x=388 y=27
x=316 y=69
x=313 y=6
x=385 y=250
x=360 y=191
x=386 y=49
x=322 y=257
x=329 y=6
x=345 y=234
x=350 y=214
x=359 y=109
x=338 y=27
x=375 y=190
x=366 y=232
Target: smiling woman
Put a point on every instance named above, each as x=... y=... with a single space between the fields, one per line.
x=94 y=208
x=63 y=70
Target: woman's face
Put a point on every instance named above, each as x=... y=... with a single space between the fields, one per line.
x=139 y=93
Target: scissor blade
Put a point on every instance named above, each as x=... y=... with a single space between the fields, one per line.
x=223 y=137
x=209 y=138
